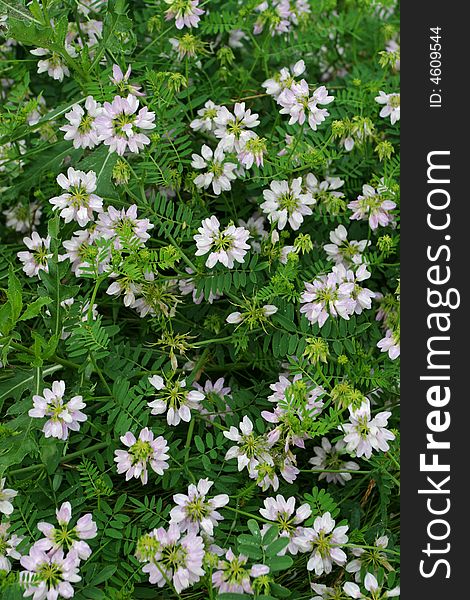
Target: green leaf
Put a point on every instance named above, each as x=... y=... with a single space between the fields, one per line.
x=104 y=575
x=14 y=295
x=33 y=309
x=279 y=563
x=277 y=546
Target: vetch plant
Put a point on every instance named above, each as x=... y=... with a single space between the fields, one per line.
x=199 y=300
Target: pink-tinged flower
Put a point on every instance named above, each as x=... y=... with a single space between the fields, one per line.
x=144 y=451
x=325 y=592
x=64 y=416
x=8 y=544
x=82 y=127
x=252 y=152
x=23 y=217
x=282 y=513
x=217 y=172
x=185 y=12
x=391 y=108
x=253 y=316
x=348 y=280
x=215 y=394
x=177 y=558
x=345 y=252
x=370 y=560
x=65 y=537
x=250 y=449
x=121 y=80
x=83 y=254
x=234 y=576
x=36 y=260
x=297 y=102
x=123 y=226
x=54 y=65
x=235 y=38
x=206 y=119
x=173 y=398
x=78 y=202
x=225 y=246
x=119 y=125
x=287 y=203
x=373 y=207
x=276 y=17
x=324 y=541
x=390 y=343
x=365 y=434
x=329 y=458
x=375 y=591
x=194 y=512
x=158 y=297
x=49 y=576
x=124 y=286
x=234 y=129
x=6 y=495
x=284 y=79
x=326 y=297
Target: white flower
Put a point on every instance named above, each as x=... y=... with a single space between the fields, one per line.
x=254 y=315
x=284 y=79
x=54 y=65
x=23 y=217
x=194 y=512
x=364 y=433
x=125 y=286
x=391 y=108
x=50 y=575
x=146 y=450
x=225 y=247
x=297 y=102
x=8 y=544
x=390 y=343
x=36 y=260
x=287 y=203
x=6 y=494
x=342 y=251
x=370 y=560
x=65 y=537
x=174 y=399
x=284 y=514
x=251 y=449
x=233 y=576
x=81 y=127
x=119 y=124
x=123 y=226
x=324 y=542
x=325 y=297
x=372 y=586
x=78 y=202
x=185 y=12
x=121 y=80
x=360 y=298
x=328 y=457
x=218 y=173
x=206 y=120
x=234 y=129
x=64 y=416
x=176 y=558
x=372 y=206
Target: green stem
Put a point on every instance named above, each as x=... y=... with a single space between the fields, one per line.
x=67 y=458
